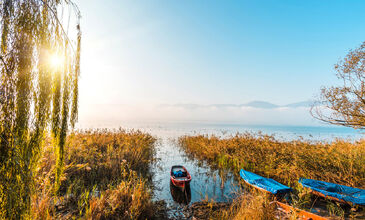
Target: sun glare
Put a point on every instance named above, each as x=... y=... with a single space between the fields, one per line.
x=56 y=61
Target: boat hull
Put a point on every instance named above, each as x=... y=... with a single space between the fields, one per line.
x=301 y=214
x=336 y=192
x=180 y=182
x=264 y=184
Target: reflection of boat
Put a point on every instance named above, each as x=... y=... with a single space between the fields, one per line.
x=264 y=184
x=335 y=192
x=179 y=176
x=181 y=197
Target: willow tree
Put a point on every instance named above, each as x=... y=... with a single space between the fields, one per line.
x=39 y=71
x=345 y=104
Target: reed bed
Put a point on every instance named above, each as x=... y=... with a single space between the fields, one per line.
x=106 y=176
x=339 y=162
x=285 y=161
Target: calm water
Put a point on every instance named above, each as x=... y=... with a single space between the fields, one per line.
x=206 y=183
x=175 y=130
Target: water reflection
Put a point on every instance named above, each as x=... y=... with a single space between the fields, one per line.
x=205 y=183
x=180 y=196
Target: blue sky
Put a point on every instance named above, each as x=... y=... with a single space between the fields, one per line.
x=212 y=51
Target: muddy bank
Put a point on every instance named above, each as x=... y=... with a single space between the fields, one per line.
x=205 y=210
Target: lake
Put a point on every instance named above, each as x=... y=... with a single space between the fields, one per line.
x=321 y=133
x=207 y=183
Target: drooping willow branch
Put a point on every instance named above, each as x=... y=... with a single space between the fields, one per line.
x=38 y=96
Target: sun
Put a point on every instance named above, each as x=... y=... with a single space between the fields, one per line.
x=56 y=61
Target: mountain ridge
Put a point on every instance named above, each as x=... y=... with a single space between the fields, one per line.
x=254 y=104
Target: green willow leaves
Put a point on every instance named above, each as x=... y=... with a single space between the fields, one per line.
x=34 y=94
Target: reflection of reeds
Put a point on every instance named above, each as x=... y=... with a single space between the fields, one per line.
x=285 y=161
x=105 y=177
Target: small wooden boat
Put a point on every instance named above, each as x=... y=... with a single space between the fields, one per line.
x=301 y=214
x=180 y=176
x=263 y=184
x=333 y=191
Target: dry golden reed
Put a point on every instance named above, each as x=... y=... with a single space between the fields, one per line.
x=105 y=177
x=285 y=161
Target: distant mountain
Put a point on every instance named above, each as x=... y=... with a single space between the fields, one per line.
x=299 y=104
x=260 y=104
x=253 y=104
x=223 y=105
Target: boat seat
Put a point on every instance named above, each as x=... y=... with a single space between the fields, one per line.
x=179 y=173
x=181 y=178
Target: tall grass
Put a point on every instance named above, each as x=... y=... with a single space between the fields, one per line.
x=105 y=177
x=285 y=161
x=247 y=206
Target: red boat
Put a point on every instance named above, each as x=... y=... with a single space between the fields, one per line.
x=180 y=177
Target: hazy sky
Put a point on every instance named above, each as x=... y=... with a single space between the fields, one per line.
x=213 y=52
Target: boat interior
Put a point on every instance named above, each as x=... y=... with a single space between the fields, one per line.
x=179 y=173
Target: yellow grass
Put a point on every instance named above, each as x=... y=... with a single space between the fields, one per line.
x=255 y=205
x=105 y=177
x=285 y=161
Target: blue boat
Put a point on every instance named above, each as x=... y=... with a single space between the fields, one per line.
x=336 y=192
x=264 y=184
